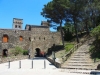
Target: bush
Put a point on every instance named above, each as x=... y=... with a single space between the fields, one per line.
x=25 y=52
x=17 y=50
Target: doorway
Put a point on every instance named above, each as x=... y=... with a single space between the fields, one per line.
x=37 y=52
x=5 y=53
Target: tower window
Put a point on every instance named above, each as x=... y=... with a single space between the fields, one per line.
x=19 y=26
x=15 y=26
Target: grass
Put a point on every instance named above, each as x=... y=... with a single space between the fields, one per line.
x=60 y=53
x=68 y=46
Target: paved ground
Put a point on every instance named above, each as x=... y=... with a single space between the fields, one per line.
x=38 y=68
x=38 y=63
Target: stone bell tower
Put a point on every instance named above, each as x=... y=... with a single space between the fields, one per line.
x=17 y=23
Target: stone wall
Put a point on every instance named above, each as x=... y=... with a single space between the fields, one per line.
x=13 y=39
x=37 y=37
x=43 y=39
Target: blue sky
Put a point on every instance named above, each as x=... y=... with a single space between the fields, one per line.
x=28 y=10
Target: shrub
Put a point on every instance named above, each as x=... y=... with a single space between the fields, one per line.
x=25 y=52
x=17 y=50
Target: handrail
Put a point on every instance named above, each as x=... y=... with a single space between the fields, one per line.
x=66 y=56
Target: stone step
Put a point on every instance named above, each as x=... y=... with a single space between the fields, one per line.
x=80 y=53
x=79 y=64
x=74 y=59
x=76 y=67
x=79 y=57
x=83 y=51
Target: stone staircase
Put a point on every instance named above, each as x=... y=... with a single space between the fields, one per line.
x=80 y=59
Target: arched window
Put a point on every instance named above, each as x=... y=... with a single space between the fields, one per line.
x=20 y=38
x=5 y=38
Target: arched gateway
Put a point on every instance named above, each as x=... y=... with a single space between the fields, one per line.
x=5 y=53
x=39 y=53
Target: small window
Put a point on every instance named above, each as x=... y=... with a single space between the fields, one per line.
x=39 y=38
x=19 y=26
x=44 y=38
x=34 y=38
x=21 y=38
x=29 y=38
x=52 y=37
x=5 y=39
x=15 y=26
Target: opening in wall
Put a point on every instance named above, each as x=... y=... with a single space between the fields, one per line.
x=5 y=53
x=20 y=38
x=15 y=26
x=39 y=53
x=5 y=38
x=29 y=38
x=34 y=38
x=19 y=26
x=39 y=38
x=44 y=38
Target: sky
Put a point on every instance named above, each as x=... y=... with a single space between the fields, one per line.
x=28 y=10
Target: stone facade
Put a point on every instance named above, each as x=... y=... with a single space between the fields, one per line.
x=32 y=37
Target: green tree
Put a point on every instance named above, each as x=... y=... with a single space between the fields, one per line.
x=95 y=48
x=76 y=8
x=55 y=12
x=91 y=12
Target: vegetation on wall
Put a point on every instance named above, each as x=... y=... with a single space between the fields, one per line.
x=18 y=50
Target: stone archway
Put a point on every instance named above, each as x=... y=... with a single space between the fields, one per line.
x=5 y=53
x=39 y=53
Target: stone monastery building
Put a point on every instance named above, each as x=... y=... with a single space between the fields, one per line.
x=33 y=38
